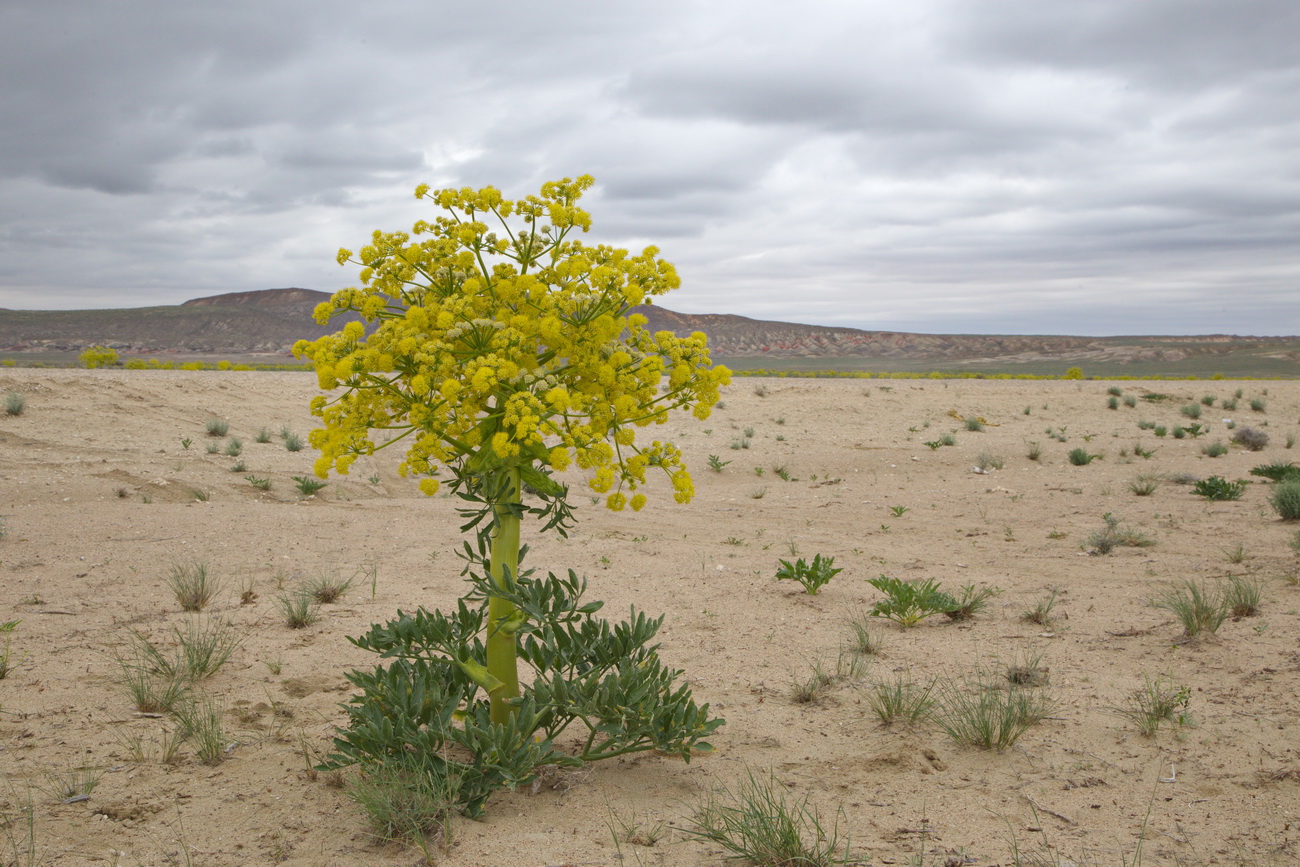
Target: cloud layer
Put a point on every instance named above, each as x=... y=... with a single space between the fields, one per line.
x=1008 y=166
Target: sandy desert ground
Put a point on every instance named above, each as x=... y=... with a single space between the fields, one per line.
x=99 y=503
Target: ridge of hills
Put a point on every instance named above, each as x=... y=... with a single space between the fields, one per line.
x=269 y=321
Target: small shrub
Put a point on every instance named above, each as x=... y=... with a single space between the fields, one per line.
x=263 y=435
x=1251 y=439
x=262 y=484
x=910 y=602
x=1112 y=403
x=1215 y=449
x=408 y=804
x=717 y=464
x=1191 y=410
x=1198 y=608
x=988 y=461
x=234 y=447
x=1285 y=500
x=1257 y=404
x=1229 y=405
x=192 y=586
x=1179 y=432
x=1143 y=452
x=947 y=440
x=1080 y=457
x=292 y=442
x=200 y=722
x=1033 y=450
x=1160 y=430
x=212 y=447
x=974 y=424
x=15 y=403
x=1114 y=391
x=6 y=652
x=1130 y=401
x=1277 y=471
x=813 y=576
x=216 y=427
x=1217 y=488
x=1207 y=400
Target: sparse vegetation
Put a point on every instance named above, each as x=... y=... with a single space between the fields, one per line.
x=1115 y=534
x=902 y=700
x=307 y=485
x=216 y=427
x=1080 y=457
x=977 y=714
x=15 y=403
x=299 y=608
x=907 y=603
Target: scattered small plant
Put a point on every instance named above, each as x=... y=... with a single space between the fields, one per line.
x=1179 y=432
x=717 y=464
x=216 y=427
x=1142 y=452
x=1217 y=488
x=6 y=651
x=1207 y=400
x=292 y=442
x=299 y=608
x=15 y=403
x=1257 y=404
x=1160 y=430
x=1041 y=613
x=1215 y=449
x=200 y=723
x=1251 y=439
x=1114 y=391
x=186 y=442
x=902 y=700
x=234 y=447
x=1144 y=485
x=1130 y=401
x=907 y=603
x=1115 y=534
x=1191 y=410
x=212 y=447
x=307 y=485
x=898 y=511
x=1198 y=608
x=259 y=482
x=974 y=424
x=1242 y=596
x=263 y=435
x=947 y=440
x=758 y=824
x=813 y=576
x=329 y=588
x=987 y=718
x=406 y=804
x=1156 y=702
x=970 y=602
x=239 y=467
x=987 y=461
x=192 y=586
x=864 y=640
x=1027 y=670
x=1112 y=403
x=1033 y=450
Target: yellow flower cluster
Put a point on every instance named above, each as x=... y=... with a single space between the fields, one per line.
x=508 y=345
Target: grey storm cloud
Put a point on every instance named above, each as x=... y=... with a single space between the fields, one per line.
x=1003 y=166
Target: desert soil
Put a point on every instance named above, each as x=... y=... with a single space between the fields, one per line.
x=98 y=500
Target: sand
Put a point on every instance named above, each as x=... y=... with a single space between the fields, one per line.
x=98 y=498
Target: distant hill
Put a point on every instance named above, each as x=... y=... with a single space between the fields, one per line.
x=268 y=322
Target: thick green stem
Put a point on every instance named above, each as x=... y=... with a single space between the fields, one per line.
x=504 y=566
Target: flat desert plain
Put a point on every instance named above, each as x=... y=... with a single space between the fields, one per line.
x=101 y=501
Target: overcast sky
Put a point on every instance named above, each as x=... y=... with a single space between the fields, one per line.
x=981 y=166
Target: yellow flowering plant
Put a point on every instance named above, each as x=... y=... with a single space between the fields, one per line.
x=500 y=350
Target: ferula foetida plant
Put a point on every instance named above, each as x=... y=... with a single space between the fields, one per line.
x=499 y=350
